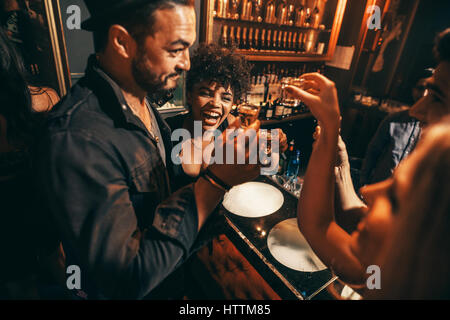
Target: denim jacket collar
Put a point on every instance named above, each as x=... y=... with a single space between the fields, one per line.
x=114 y=103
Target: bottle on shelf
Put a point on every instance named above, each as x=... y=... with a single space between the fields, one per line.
x=300 y=16
x=270 y=12
x=238 y=37
x=290 y=13
x=274 y=40
x=307 y=23
x=310 y=41
x=258 y=10
x=282 y=12
x=256 y=39
x=250 y=39
x=284 y=40
x=293 y=167
x=268 y=38
x=224 y=36
x=288 y=41
x=315 y=17
x=279 y=110
x=234 y=5
x=269 y=110
x=284 y=158
x=280 y=41
x=232 y=41
x=222 y=8
x=262 y=40
x=294 y=42
x=244 y=39
x=246 y=10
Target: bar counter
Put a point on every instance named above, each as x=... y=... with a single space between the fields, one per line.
x=250 y=236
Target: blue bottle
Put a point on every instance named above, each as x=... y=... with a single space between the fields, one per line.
x=293 y=167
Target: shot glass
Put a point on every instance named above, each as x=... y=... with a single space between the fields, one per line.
x=248 y=113
x=286 y=98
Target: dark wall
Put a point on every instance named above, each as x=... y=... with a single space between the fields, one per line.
x=431 y=18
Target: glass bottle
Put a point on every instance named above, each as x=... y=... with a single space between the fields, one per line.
x=270 y=12
x=282 y=12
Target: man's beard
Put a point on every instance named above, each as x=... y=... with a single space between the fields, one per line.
x=148 y=80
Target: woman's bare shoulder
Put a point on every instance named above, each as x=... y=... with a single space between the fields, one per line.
x=43 y=98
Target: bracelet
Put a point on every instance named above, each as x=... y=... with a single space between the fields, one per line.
x=215 y=181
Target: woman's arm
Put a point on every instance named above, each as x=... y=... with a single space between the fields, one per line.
x=316 y=205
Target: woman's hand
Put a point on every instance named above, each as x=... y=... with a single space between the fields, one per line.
x=320 y=95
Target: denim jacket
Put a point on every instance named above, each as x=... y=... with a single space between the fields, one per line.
x=395 y=138
x=108 y=190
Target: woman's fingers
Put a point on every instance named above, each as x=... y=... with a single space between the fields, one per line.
x=317 y=77
x=306 y=97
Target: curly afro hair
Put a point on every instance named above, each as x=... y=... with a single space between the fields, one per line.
x=222 y=65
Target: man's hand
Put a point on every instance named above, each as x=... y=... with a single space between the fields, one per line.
x=244 y=143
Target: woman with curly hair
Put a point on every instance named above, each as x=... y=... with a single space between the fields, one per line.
x=218 y=78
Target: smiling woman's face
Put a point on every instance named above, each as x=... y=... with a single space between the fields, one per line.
x=211 y=103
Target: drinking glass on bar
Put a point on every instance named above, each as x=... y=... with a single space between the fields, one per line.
x=248 y=113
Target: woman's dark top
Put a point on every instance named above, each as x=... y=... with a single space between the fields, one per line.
x=176 y=122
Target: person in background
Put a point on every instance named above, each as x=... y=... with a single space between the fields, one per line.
x=395 y=138
x=20 y=240
x=24 y=28
x=387 y=203
x=105 y=166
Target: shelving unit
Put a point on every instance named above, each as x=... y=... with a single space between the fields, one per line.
x=313 y=44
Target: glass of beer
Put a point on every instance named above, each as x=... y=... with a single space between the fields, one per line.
x=286 y=98
x=248 y=113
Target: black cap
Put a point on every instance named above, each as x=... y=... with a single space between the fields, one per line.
x=102 y=11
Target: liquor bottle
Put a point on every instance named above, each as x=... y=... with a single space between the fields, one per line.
x=269 y=110
x=234 y=5
x=279 y=110
x=244 y=39
x=307 y=23
x=284 y=158
x=238 y=37
x=280 y=40
x=274 y=40
x=262 y=41
x=282 y=12
x=246 y=10
x=293 y=167
x=270 y=12
x=224 y=36
x=301 y=42
x=256 y=41
x=300 y=16
x=268 y=38
x=262 y=110
x=289 y=44
x=222 y=8
x=294 y=42
x=315 y=17
x=310 y=40
x=258 y=10
x=284 y=41
x=232 y=42
x=251 y=45
x=290 y=13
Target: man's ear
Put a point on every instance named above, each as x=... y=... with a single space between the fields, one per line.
x=122 y=42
